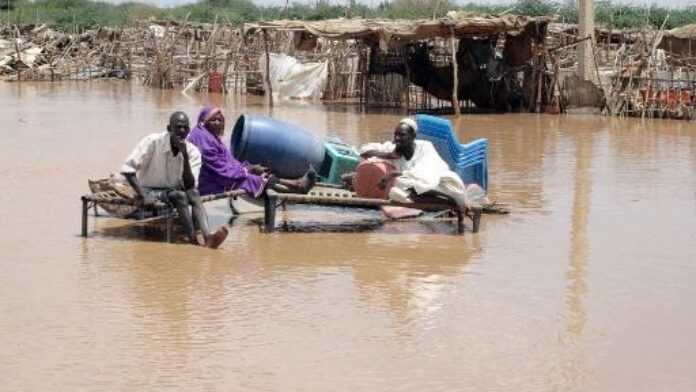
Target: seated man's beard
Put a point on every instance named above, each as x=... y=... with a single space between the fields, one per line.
x=401 y=149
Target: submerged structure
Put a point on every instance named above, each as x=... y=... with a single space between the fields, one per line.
x=483 y=62
x=461 y=61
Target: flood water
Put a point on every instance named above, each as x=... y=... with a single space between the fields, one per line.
x=588 y=285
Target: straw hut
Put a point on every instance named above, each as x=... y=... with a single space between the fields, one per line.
x=484 y=62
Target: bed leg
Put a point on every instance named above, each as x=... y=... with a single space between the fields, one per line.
x=170 y=224
x=476 y=219
x=85 y=213
x=230 y=201
x=269 y=212
x=460 y=221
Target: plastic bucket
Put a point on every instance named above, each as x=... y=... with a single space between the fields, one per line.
x=367 y=177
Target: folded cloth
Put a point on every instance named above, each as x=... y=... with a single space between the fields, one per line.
x=119 y=188
x=393 y=212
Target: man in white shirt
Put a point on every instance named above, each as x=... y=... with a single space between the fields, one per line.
x=419 y=168
x=165 y=167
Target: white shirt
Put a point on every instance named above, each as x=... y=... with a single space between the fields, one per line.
x=156 y=166
x=425 y=171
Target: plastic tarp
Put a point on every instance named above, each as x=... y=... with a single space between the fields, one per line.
x=28 y=56
x=157 y=30
x=292 y=79
x=6 y=47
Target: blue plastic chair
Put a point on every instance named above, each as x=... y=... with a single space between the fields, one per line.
x=469 y=161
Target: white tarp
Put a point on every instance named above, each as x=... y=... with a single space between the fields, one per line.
x=292 y=79
x=157 y=30
x=29 y=55
x=6 y=47
x=8 y=54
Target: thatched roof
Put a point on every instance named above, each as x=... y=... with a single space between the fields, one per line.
x=683 y=32
x=572 y=29
x=678 y=42
x=393 y=31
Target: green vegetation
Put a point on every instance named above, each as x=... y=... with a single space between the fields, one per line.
x=7 y=4
x=68 y=14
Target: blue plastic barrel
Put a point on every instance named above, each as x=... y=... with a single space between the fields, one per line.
x=284 y=148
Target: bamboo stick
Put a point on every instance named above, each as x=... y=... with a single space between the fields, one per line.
x=540 y=78
x=455 y=76
x=408 y=83
x=599 y=79
x=267 y=78
x=19 y=56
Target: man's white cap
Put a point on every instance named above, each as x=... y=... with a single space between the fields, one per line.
x=410 y=122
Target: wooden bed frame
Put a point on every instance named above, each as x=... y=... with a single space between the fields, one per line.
x=347 y=199
x=158 y=209
x=272 y=200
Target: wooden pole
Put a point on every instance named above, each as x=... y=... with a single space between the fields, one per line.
x=408 y=81
x=540 y=80
x=267 y=78
x=599 y=78
x=19 y=55
x=585 y=29
x=436 y=9
x=366 y=80
x=228 y=59
x=130 y=62
x=455 y=76
x=689 y=47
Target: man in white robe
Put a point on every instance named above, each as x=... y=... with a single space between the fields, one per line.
x=419 y=167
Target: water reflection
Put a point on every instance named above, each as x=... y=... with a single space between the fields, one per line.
x=579 y=244
x=517 y=153
x=399 y=271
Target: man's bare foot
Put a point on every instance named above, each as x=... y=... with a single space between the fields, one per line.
x=193 y=240
x=214 y=240
x=307 y=182
x=347 y=180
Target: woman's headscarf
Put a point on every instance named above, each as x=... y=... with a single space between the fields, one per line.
x=206 y=114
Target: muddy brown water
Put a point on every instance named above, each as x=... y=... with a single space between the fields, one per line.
x=587 y=286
